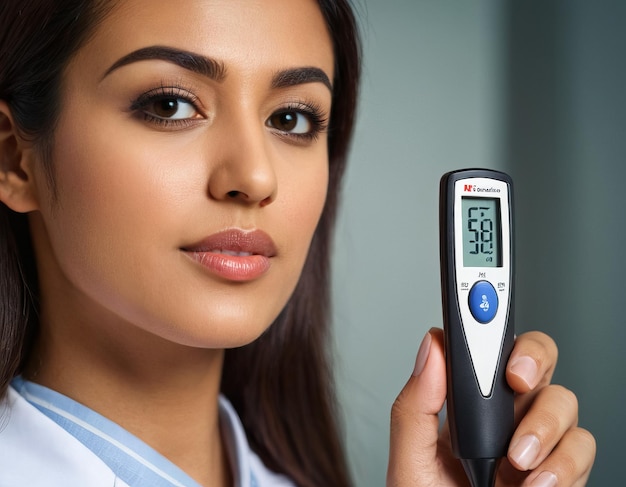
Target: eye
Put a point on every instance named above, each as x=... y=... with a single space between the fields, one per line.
x=298 y=122
x=292 y=122
x=170 y=108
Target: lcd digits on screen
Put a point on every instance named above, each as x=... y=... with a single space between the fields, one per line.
x=481 y=232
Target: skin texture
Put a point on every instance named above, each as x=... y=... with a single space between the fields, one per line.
x=126 y=313
x=132 y=193
x=420 y=455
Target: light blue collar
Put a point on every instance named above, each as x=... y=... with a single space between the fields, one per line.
x=132 y=460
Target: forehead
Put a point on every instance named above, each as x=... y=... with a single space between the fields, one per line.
x=250 y=34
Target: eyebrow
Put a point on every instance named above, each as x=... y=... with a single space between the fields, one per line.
x=216 y=70
x=298 y=76
x=188 y=60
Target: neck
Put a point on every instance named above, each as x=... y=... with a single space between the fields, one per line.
x=164 y=393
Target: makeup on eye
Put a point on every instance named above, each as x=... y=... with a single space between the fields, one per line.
x=173 y=107
x=168 y=105
x=176 y=107
x=300 y=121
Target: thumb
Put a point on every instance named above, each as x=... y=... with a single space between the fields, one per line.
x=415 y=421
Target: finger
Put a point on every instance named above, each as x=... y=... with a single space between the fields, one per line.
x=531 y=366
x=569 y=464
x=552 y=414
x=414 y=417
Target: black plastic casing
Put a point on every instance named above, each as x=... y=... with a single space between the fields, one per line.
x=480 y=427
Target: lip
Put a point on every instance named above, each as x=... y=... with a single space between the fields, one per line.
x=234 y=254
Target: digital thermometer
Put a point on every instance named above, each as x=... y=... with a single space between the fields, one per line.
x=476 y=251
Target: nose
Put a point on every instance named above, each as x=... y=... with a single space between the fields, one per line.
x=245 y=172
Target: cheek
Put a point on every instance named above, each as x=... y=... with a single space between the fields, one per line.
x=114 y=177
x=303 y=205
x=115 y=199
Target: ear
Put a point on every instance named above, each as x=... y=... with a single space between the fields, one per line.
x=17 y=182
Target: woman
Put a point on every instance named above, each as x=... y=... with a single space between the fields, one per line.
x=169 y=174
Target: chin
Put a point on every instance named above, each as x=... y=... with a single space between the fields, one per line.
x=220 y=333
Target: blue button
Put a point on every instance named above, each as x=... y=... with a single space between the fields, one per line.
x=483 y=301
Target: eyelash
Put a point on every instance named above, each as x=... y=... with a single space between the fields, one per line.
x=141 y=104
x=313 y=113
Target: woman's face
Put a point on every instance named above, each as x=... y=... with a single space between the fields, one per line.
x=190 y=162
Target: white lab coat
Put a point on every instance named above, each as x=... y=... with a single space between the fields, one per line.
x=37 y=452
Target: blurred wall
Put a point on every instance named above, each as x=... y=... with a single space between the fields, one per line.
x=431 y=102
x=566 y=149
x=531 y=87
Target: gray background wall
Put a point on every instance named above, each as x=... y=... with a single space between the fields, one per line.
x=531 y=87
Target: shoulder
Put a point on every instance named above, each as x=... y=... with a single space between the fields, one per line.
x=35 y=451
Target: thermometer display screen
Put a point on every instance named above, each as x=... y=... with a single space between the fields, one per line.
x=481 y=232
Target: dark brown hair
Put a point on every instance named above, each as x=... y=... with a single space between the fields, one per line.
x=37 y=40
x=282 y=384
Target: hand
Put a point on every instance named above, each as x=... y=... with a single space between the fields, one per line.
x=548 y=448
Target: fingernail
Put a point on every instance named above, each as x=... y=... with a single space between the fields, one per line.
x=545 y=479
x=526 y=369
x=524 y=452
x=422 y=355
